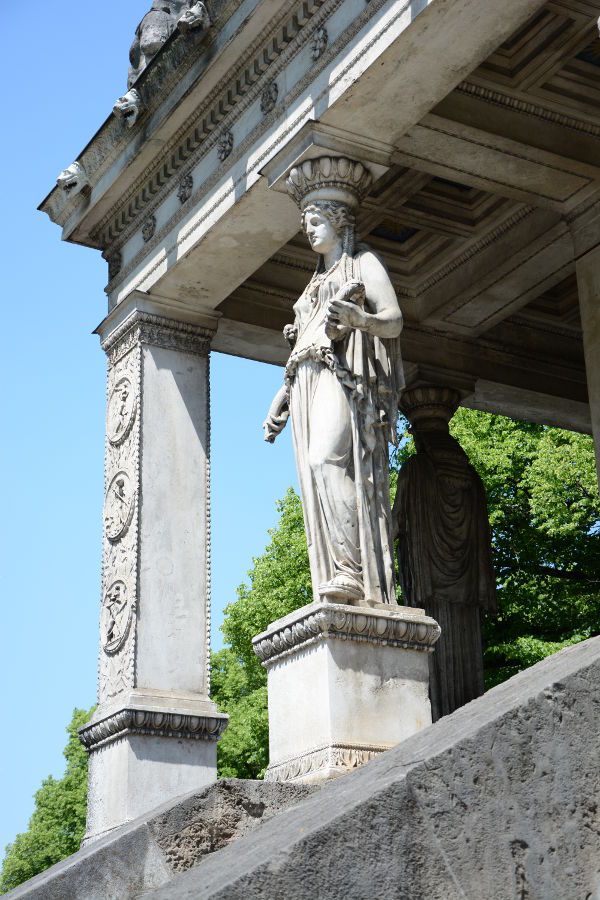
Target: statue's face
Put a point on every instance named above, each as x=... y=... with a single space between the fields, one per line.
x=321 y=234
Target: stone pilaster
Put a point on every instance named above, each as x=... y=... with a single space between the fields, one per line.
x=154 y=733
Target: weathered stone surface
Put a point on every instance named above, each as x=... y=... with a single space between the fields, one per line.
x=211 y=820
x=497 y=801
x=145 y=854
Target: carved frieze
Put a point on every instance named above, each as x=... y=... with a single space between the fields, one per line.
x=117 y=611
x=122 y=407
x=148 y=229
x=146 y=328
x=120 y=542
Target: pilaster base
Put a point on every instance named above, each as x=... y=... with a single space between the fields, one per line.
x=148 y=748
x=344 y=684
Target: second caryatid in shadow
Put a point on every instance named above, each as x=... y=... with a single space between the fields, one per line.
x=341 y=389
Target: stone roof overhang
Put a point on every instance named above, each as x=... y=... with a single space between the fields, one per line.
x=480 y=124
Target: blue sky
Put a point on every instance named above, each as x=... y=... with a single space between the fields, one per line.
x=62 y=66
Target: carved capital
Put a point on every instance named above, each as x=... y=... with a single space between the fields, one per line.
x=159 y=331
x=398 y=627
x=152 y=722
x=429 y=402
x=329 y=178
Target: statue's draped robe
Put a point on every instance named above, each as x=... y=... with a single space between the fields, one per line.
x=445 y=564
x=343 y=401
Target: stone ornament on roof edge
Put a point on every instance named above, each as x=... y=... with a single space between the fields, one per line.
x=128 y=107
x=74 y=180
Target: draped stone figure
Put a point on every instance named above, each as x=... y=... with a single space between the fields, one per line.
x=341 y=389
x=444 y=546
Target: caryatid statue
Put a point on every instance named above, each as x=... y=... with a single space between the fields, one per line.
x=444 y=546
x=341 y=389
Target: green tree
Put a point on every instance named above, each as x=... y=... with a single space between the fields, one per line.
x=57 y=824
x=544 y=511
x=279 y=583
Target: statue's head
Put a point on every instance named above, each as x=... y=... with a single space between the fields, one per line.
x=326 y=223
x=328 y=191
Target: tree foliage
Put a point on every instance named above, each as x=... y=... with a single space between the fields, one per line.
x=544 y=512
x=57 y=824
x=279 y=583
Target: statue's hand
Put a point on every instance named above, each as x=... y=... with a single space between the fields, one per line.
x=277 y=416
x=342 y=314
x=290 y=333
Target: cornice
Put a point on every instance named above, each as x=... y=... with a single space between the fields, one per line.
x=165 y=71
x=204 y=189
x=156 y=723
x=529 y=109
x=396 y=627
x=198 y=135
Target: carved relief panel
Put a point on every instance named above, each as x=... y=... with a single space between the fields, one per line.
x=120 y=539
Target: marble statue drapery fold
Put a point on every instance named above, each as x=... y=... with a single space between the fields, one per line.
x=343 y=399
x=444 y=546
x=444 y=532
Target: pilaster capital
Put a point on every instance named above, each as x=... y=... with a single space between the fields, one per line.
x=142 y=319
x=429 y=402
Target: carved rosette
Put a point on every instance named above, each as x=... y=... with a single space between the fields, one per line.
x=268 y=99
x=398 y=627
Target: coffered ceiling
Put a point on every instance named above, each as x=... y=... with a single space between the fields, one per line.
x=473 y=222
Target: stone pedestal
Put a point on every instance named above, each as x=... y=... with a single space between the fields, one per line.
x=153 y=735
x=344 y=683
